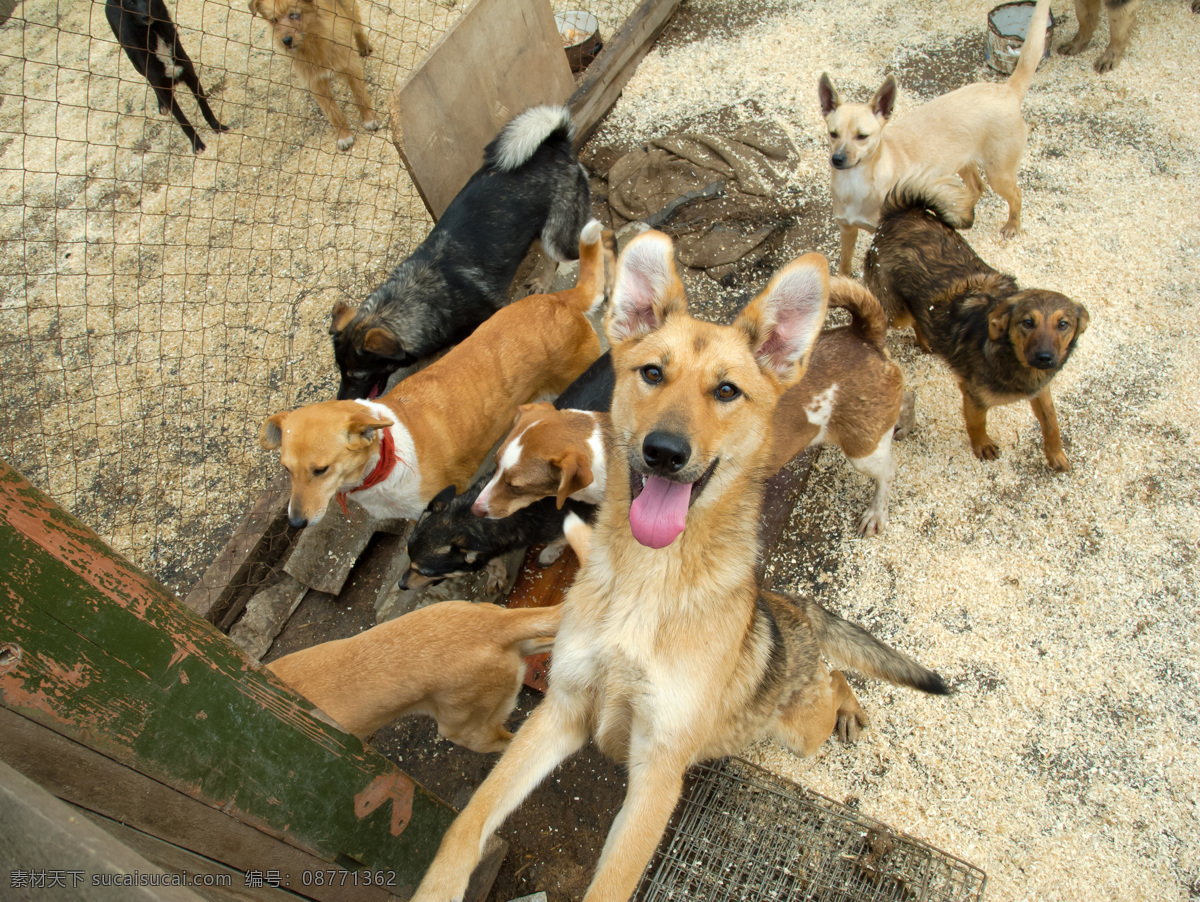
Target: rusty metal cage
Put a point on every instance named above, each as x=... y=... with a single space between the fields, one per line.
x=743 y=833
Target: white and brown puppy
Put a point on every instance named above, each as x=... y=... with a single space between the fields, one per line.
x=458 y=662
x=394 y=454
x=852 y=396
x=976 y=127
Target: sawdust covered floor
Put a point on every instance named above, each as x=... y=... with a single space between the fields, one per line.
x=1062 y=608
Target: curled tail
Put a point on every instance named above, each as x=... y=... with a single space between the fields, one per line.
x=1032 y=49
x=850 y=645
x=524 y=135
x=867 y=318
x=945 y=196
x=597 y=256
x=533 y=630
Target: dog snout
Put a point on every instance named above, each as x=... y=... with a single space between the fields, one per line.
x=838 y=160
x=286 y=40
x=1043 y=360
x=297 y=522
x=666 y=453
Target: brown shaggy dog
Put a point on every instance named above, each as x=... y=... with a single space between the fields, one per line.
x=1002 y=344
x=318 y=35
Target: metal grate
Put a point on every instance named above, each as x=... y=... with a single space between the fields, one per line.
x=741 y=833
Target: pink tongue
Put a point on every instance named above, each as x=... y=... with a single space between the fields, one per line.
x=374 y=393
x=659 y=513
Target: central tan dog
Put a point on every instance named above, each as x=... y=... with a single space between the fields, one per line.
x=669 y=652
x=978 y=126
x=432 y=430
x=460 y=663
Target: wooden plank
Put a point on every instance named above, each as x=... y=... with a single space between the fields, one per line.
x=50 y=853
x=258 y=543
x=103 y=654
x=607 y=76
x=326 y=552
x=266 y=614
x=500 y=58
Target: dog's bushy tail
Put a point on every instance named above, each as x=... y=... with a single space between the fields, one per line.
x=849 y=645
x=945 y=196
x=867 y=318
x=1032 y=49
x=520 y=139
x=533 y=629
x=596 y=255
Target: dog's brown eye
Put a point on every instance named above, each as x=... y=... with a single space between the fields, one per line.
x=320 y=471
x=294 y=16
x=1063 y=325
x=727 y=391
x=652 y=374
x=861 y=137
x=833 y=135
x=1027 y=323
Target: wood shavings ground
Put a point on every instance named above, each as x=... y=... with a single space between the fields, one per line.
x=1063 y=608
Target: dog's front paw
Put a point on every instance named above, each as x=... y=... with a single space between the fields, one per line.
x=986 y=450
x=221 y=127
x=198 y=146
x=1010 y=230
x=872 y=522
x=372 y=126
x=552 y=552
x=1058 y=461
x=1106 y=61
x=346 y=143
x=1072 y=47
x=497 y=576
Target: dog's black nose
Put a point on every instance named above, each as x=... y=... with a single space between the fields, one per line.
x=665 y=453
x=404 y=580
x=287 y=41
x=838 y=160
x=298 y=522
x=1043 y=360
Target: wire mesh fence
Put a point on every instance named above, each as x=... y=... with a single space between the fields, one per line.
x=744 y=833
x=156 y=305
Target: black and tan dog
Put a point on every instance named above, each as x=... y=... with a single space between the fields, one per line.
x=669 y=652
x=1002 y=344
x=530 y=187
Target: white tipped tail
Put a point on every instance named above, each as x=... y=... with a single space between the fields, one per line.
x=521 y=138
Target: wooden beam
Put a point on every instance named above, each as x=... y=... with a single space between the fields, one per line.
x=606 y=77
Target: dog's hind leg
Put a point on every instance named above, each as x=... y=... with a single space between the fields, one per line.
x=162 y=83
x=556 y=729
x=362 y=98
x=1004 y=182
x=1043 y=409
x=880 y=465
x=970 y=176
x=655 y=784
x=906 y=422
x=192 y=80
x=807 y=721
x=1088 y=14
x=322 y=91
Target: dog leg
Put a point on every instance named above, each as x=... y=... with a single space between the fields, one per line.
x=552 y=552
x=807 y=722
x=849 y=240
x=655 y=784
x=1043 y=409
x=192 y=80
x=970 y=176
x=1120 y=26
x=556 y=729
x=579 y=536
x=497 y=575
x=1004 y=183
x=1088 y=14
x=907 y=421
x=880 y=465
x=322 y=92
x=362 y=99
x=976 y=420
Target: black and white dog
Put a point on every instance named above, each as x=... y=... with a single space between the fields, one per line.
x=530 y=186
x=449 y=540
x=145 y=31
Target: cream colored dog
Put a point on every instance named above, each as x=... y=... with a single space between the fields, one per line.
x=979 y=126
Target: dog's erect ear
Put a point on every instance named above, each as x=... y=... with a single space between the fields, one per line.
x=342 y=314
x=441 y=501
x=829 y=97
x=1082 y=320
x=884 y=100
x=999 y=319
x=575 y=475
x=271 y=434
x=647 y=288
x=782 y=323
x=360 y=429
x=384 y=344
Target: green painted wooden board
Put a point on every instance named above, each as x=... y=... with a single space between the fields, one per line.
x=97 y=651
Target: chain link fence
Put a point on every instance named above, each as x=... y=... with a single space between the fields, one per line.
x=156 y=305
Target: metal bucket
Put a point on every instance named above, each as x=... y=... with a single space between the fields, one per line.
x=580 y=32
x=1007 y=25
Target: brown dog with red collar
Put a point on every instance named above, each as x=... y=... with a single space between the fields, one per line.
x=394 y=454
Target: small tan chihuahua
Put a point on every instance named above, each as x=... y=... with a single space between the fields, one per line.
x=978 y=126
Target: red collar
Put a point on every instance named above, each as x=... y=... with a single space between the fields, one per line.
x=383 y=468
